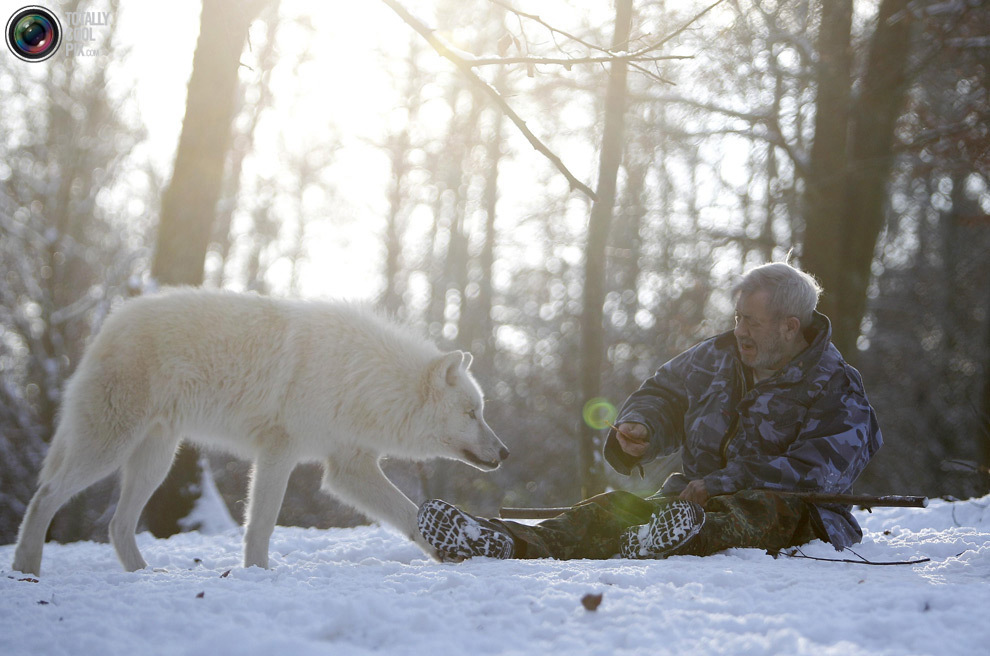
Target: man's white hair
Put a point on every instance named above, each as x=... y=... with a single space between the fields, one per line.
x=792 y=292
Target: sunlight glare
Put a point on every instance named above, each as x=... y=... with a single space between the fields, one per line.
x=344 y=90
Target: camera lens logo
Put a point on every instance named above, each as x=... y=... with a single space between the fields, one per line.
x=33 y=34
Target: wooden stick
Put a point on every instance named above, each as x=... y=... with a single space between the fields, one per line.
x=864 y=500
x=861 y=500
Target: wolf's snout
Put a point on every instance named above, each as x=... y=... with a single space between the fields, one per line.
x=482 y=464
x=489 y=458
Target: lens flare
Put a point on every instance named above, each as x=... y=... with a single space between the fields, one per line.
x=599 y=413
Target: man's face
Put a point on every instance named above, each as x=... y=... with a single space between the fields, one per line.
x=759 y=333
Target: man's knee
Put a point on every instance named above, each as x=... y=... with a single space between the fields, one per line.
x=627 y=507
x=755 y=519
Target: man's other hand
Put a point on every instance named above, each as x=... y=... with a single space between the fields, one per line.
x=633 y=438
x=695 y=491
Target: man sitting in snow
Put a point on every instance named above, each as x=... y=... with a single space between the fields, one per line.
x=770 y=406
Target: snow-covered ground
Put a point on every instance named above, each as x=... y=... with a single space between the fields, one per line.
x=367 y=591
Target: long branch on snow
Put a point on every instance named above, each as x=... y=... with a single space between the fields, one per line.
x=862 y=500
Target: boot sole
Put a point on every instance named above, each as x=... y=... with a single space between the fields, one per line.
x=457 y=535
x=669 y=528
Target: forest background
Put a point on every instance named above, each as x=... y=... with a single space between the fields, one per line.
x=566 y=189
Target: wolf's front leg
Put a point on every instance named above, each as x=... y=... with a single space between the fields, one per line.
x=269 y=479
x=356 y=477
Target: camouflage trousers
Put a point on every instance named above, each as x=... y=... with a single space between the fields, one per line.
x=591 y=529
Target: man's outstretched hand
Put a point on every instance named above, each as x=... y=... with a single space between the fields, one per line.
x=634 y=439
x=695 y=491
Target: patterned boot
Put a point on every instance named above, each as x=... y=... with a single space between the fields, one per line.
x=457 y=535
x=669 y=528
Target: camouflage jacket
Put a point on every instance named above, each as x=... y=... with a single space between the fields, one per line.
x=808 y=428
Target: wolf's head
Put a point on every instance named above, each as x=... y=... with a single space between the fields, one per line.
x=456 y=405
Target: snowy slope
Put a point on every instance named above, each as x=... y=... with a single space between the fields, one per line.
x=367 y=591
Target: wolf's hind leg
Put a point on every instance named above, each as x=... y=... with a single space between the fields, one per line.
x=67 y=472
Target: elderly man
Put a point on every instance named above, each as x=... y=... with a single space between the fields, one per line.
x=766 y=408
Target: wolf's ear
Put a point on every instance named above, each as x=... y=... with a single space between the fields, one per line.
x=449 y=366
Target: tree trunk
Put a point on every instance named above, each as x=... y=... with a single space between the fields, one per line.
x=851 y=160
x=189 y=204
x=984 y=418
x=481 y=338
x=871 y=139
x=399 y=147
x=242 y=145
x=826 y=184
x=592 y=319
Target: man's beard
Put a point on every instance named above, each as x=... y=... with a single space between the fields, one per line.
x=768 y=353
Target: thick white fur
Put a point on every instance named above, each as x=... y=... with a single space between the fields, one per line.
x=275 y=381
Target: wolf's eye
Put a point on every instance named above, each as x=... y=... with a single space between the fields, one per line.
x=472 y=414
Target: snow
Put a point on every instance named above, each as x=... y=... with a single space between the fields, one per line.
x=366 y=590
x=209 y=514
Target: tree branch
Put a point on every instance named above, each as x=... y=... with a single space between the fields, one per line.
x=568 y=62
x=636 y=55
x=463 y=63
x=773 y=135
x=862 y=500
x=549 y=27
x=677 y=32
x=631 y=57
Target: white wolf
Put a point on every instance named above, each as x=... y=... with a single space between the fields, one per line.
x=275 y=381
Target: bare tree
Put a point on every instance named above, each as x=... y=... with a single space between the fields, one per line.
x=66 y=253
x=852 y=159
x=477 y=321
x=243 y=140
x=599 y=222
x=825 y=224
x=190 y=201
x=399 y=147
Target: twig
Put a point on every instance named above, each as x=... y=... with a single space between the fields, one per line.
x=634 y=56
x=567 y=62
x=964 y=466
x=861 y=561
x=463 y=64
x=548 y=26
x=677 y=32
